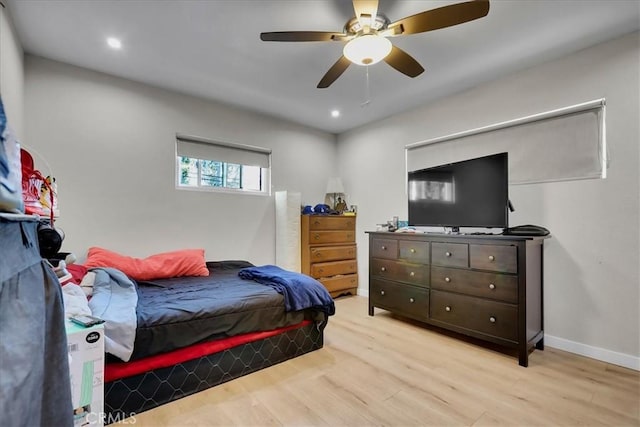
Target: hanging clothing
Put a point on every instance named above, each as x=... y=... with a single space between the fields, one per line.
x=35 y=388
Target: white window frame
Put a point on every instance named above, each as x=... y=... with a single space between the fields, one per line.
x=265 y=171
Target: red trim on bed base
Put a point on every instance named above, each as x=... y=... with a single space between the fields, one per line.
x=117 y=370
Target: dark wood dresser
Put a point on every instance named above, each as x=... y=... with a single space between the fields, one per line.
x=485 y=286
x=329 y=252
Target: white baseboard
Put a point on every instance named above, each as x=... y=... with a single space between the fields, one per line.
x=602 y=354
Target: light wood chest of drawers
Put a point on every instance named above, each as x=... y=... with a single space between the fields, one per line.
x=329 y=252
x=487 y=287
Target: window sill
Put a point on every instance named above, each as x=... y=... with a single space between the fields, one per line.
x=224 y=190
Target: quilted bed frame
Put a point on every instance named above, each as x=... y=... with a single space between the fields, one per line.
x=132 y=395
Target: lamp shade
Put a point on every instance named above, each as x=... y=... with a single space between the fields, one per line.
x=334 y=185
x=367 y=50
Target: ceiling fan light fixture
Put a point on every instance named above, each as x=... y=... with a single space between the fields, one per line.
x=367 y=49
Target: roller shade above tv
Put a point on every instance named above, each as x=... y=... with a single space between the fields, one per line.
x=469 y=193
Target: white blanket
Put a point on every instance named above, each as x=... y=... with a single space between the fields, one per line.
x=114 y=300
x=75 y=301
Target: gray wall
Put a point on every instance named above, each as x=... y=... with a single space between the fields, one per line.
x=11 y=73
x=110 y=143
x=591 y=275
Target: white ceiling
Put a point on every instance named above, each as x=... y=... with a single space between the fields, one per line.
x=212 y=49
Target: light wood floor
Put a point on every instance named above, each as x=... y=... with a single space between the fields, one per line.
x=382 y=370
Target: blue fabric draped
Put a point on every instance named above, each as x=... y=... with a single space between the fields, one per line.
x=299 y=290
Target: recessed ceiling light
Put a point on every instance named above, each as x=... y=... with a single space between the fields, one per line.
x=335 y=113
x=114 y=43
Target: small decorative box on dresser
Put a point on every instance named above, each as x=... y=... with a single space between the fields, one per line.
x=329 y=252
x=484 y=286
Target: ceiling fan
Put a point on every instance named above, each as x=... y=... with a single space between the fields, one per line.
x=367 y=35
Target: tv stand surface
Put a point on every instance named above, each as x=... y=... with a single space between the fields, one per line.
x=480 y=233
x=485 y=286
x=463 y=235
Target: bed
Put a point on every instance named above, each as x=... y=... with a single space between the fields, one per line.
x=194 y=333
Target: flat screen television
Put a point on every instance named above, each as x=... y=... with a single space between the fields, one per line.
x=470 y=193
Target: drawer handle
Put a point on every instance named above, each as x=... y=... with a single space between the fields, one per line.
x=447 y=308
x=492 y=319
x=316 y=236
x=413 y=251
x=492 y=258
x=448 y=253
x=412 y=274
x=492 y=286
x=447 y=279
x=318 y=254
x=316 y=222
x=411 y=300
x=383 y=269
x=321 y=270
x=381 y=292
x=384 y=248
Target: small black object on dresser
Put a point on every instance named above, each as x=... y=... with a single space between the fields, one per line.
x=485 y=286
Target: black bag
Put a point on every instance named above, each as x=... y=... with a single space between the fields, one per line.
x=526 y=230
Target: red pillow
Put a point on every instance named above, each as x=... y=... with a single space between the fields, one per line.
x=187 y=262
x=77 y=271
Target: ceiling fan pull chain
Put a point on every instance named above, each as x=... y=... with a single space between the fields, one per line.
x=367 y=90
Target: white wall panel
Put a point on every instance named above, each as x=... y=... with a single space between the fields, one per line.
x=288 y=245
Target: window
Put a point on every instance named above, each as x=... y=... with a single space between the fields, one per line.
x=559 y=145
x=211 y=165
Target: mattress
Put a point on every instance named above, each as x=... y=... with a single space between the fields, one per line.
x=178 y=312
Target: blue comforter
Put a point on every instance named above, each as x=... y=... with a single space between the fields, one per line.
x=300 y=291
x=114 y=300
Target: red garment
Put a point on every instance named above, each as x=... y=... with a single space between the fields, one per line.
x=77 y=271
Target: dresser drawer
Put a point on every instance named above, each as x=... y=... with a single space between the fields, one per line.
x=494 y=257
x=417 y=274
x=493 y=318
x=332 y=223
x=450 y=254
x=384 y=248
x=332 y=253
x=340 y=283
x=413 y=251
x=404 y=299
x=501 y=287
x=317 y=237
x=332 y=268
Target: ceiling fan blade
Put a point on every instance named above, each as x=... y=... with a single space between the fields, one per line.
x=334 y=72
x=403 y=62
x=443 y=17
x=343 y=37
x=299 y=36
x=365 y=7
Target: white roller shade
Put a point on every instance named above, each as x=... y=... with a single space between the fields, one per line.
x=204 y=149
x=557 y=145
